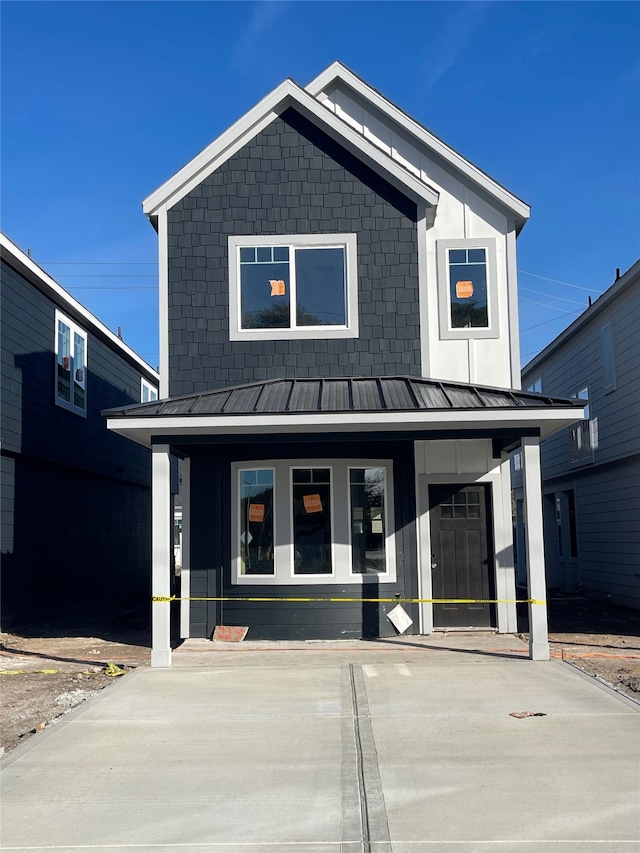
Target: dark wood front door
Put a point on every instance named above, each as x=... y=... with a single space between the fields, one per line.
x=461 y=554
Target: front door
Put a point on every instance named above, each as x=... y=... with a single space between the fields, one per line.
x=461 y=554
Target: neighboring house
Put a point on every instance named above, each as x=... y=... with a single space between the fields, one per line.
x=339 y=373
x=75 y=497
x=591 y=470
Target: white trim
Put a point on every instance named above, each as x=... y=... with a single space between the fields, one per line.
x=446 y=331
x=348 y=242
x=162 y=547
x=536 y=579
x=74 y=329
x=185 y=573
x=423 y=290
x=338 y=72
x=37 y=276
x=152 y=390
x=276 y=102
x=163 y=300
x=512 y=307
x=283 y=523
x=141 y=429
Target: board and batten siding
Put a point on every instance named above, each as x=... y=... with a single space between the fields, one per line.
x=463 y=212
x=291 y=179
x=210 y=562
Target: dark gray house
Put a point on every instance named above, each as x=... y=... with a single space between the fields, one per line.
x=340 y=375
x=75 y=498
x=591 y=470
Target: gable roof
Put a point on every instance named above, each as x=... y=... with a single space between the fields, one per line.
x=337 y=73
x=33 y=273
x=287 y=94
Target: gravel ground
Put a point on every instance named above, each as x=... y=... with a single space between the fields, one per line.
x=43 y=677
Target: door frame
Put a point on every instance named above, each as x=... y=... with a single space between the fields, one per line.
x=499 y=481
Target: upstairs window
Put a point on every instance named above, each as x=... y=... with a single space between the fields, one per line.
x=467 y=288
x=148 y=392
x=71 y=365
x=301 y=286
x=581 y=438
x=535 y=386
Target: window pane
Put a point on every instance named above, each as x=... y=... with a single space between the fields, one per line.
x=264 y=253
x=320 y=287
x=79 y=369
x=368 y=535
x=458 y=256
x=264 y=295
x=256 y=522
x=64 y=362
x=281 y=253
x=468 y=293
x=312 y=525
x=476 y=256
x=247 y=255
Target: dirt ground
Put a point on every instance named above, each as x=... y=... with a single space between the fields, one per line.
x=43 y=676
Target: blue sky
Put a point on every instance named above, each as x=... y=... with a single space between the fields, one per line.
x=103 y=101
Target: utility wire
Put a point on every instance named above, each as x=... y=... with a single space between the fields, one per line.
x=552 y=307
x=559 y=298
x=107 y=287
x=565 y=283
x=552 y=320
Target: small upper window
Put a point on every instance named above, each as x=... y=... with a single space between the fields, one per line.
x=535 y=386
x=288 y=287
x=148 y=392
x=467 y=288
x=71 y=365
x=581 y=438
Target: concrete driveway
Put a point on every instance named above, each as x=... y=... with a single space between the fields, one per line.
x=400 y=747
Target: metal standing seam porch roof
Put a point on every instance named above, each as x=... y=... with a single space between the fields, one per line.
x=336 y=395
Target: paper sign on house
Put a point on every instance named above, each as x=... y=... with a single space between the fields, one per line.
x=256 y=512
x=464 y=289
x=312 y=503
x=277 y=287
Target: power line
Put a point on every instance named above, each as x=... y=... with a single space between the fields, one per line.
x=107 y=287
x=100 y=263
x=552 y=320
x=565 y=283
x=105 y=275
x=559 y=298
x=545 y=305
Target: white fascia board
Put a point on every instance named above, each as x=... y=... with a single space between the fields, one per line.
x=141 y=429
x=27 y=267
x=285 y=95
x=337 y=71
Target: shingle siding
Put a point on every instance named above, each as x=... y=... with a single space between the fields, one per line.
x=291 y=179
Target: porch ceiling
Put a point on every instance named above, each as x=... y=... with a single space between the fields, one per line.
x=390 y=403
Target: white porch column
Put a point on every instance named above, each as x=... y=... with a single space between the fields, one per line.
x=185 y=576
x=536 y=582
x=161 y=545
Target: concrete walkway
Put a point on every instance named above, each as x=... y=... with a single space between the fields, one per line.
x=353 y=747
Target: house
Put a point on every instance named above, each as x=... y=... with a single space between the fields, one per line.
x=340 y=376
x=76 y=499
x=591 y=470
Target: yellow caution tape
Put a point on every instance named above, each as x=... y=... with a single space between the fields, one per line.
x=114 y=670
x=166 y=599
x=29 y=671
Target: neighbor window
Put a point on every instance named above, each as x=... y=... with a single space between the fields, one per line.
x=467 y=288
x=535 y=386
x=148 y=392
x=312 y=521
x=296 y=286
x=71 y=365
x=581 y=442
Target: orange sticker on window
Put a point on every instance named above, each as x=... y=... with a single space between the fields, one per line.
x=277 y=287
x=256 y=512
x=464 y=289
x=312 y=503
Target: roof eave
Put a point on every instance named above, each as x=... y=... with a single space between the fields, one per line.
x=287 y=94
x=339 y=72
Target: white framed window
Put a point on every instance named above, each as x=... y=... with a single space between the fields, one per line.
x=467 y=288
x=582 y=437
x=535 y=386
x=148 y=392
x=297 y=286
x=312 y=521
x=71 y=365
